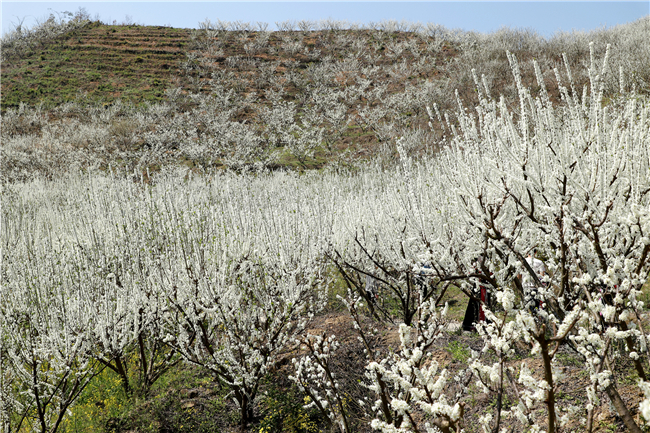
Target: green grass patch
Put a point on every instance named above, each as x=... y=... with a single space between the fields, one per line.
x=459 y=352
x=94 y=61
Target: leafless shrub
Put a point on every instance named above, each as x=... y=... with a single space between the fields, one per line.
x=123 y=132
x=306 y=25
x=392 y=26
x=241 y=26
x=292 y=44
x=285 y=26
x=234 y=62
x=262 y=26
x=331 y=24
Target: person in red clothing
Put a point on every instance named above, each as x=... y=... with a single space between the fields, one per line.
x=478 y=300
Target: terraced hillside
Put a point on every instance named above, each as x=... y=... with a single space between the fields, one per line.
x=134 y=63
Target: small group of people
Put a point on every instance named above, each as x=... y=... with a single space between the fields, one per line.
x=480 y=296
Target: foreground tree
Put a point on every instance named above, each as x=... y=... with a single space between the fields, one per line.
x=571 y=181
x=237 y=326
x=44 y=349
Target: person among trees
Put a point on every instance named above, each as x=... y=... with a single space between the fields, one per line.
x=372 y=288
x=479 y=297
x=422 y=281
x=532 y=297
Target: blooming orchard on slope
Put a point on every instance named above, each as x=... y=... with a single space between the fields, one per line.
x=225 y=272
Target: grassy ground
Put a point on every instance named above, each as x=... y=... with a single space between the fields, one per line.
x=132 y=63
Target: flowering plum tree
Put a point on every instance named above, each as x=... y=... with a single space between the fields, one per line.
x=236 y=325
x=314 y=376
x=569 y=180
x=44 y=352
x=406 y=385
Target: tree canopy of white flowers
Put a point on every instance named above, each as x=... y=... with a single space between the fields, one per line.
x=574 y=183
x=158 y=274
x=225 y=272
x=571 y=181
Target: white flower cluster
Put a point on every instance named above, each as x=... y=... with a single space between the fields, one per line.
x=644 y=406
x=314 y=376
x=408 y=380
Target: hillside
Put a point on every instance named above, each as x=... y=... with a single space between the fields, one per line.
x=230 y=96
x=133 y=63
x=137 y=63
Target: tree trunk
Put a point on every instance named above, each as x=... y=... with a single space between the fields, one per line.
x=621 y=408
x=548 y=376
